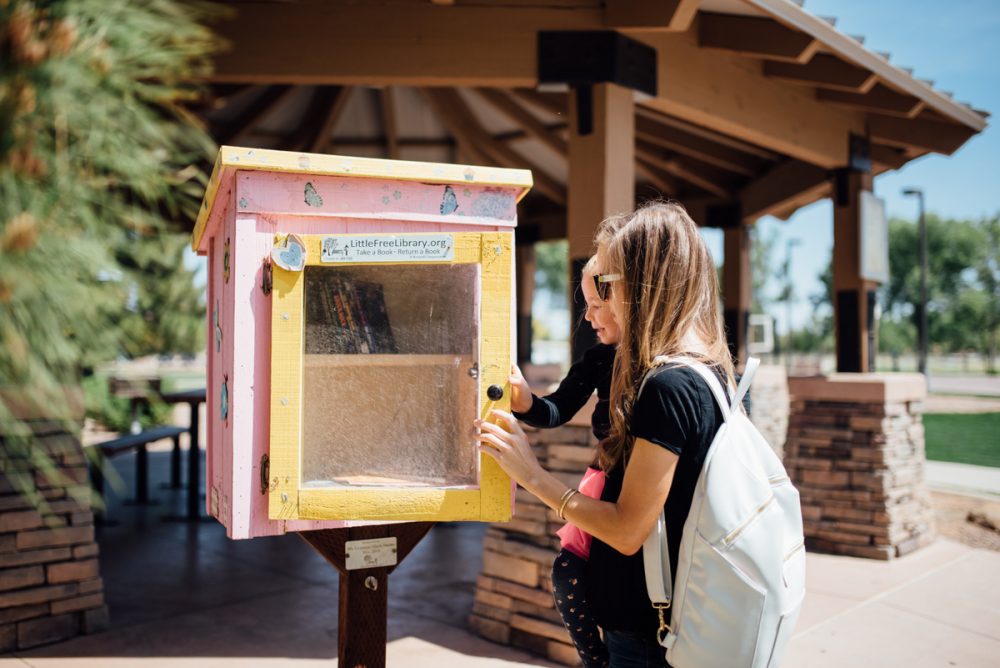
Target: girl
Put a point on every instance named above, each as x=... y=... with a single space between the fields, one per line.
x=592 y=371
x=664 y=298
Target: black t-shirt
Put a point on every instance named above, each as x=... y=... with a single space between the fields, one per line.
x=592 y=371
x=677 y=411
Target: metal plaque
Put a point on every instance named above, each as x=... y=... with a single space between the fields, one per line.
x=371 y=553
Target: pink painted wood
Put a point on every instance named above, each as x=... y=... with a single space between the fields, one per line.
x=255 y=206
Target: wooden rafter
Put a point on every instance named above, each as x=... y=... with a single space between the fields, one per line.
x=879 y=99
x=771 y=192
x=385 y=98
x=710 y=135
x=664 y=183
x=550 y=102
x=753 y=36
x=528 y=121
x=673 y=15
x=824 y=71
x=235 y=130
x=943 y=138
x=310 y=128
x=888 y=156
x=695 y=146
x=455 y=114
x=323 y=137
x=703 y=176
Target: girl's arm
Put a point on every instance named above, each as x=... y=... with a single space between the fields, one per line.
x=625 y=524
x=574 y=390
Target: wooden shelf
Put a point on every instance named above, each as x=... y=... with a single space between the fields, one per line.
x=339 y=361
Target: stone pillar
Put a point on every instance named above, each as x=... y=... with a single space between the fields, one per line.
x=855 y=450
x=513 y=601
x=50 y=584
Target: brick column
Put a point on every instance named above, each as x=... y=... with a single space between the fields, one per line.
x=855 y=450
x=50 y=584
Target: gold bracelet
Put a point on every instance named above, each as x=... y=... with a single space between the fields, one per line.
x=565 y=500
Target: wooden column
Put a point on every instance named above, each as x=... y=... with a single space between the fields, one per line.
x=853 y=297
x=601 y=180
x=525 y=265
x=736 y=288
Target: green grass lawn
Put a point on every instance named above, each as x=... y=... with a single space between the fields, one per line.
x=964 y=438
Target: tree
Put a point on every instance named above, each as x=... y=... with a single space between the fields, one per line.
x=95 y=145
x=551 y=268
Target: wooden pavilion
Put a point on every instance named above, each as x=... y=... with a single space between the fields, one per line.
x=737 y=108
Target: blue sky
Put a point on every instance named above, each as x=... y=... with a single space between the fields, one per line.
x=953 y=43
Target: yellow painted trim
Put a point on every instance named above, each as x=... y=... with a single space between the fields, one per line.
x=494 y=363
x=286 y=393
x=231 y=158
x=415 y=504
x=491 y=502
x=207 y=204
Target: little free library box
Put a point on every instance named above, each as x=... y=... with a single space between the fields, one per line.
x=360 y=319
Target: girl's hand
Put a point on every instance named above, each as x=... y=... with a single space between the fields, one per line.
x=520 y=393
x=508 y=445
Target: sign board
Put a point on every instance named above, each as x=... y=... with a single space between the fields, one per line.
x=874 y=246
x=370 y=553
x=388 y=248
x=760 y=334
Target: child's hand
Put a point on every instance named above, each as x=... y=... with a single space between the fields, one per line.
x=520 y=393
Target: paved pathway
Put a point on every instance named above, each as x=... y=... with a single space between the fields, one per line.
x=185 y=595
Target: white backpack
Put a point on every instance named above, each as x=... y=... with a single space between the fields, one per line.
x=741 y=567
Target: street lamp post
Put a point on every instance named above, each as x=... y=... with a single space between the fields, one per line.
x=922 y=354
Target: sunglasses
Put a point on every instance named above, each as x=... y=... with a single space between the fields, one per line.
x=602 y=283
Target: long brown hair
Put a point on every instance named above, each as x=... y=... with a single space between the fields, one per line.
x=670 y=291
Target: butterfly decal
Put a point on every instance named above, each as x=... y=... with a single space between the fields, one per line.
x=312 y=197
x=449 y=202
x=225 y=262
x=224 y=399
x=218 y=327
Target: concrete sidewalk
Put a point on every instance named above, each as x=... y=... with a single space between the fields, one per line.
x=963 y=479
x=184 y=595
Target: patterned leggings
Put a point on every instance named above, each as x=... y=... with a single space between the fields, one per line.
x=570 y=594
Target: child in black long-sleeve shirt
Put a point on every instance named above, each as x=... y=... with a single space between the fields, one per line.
x=591 y=372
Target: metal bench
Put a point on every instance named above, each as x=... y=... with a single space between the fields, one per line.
x=137 y=442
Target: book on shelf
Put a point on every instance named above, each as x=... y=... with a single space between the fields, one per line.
x=346 y=316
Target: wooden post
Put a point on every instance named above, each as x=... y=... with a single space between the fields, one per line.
x=853 y=297
x=736 y=287
x=364 y=593
x=525 y=266
x=601 y=180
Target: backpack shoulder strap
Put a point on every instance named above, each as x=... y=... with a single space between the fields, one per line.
x=744 y=386
x=710 y=378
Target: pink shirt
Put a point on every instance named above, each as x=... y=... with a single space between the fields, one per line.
x=572 y=537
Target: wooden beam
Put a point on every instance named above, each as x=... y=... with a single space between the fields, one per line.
x=945 y=138
x=879 y=99
x=851 y=292
x=324 y=136
x=452 y=110
x=737 y=284
x=310 y=129
x=415 y=44
x=664 y=183
x=695 y=146
x=703 y=176
x=709 y=134
x=788 y=181
x=524 y=118
x=753 y=36
x=730 y=96
x=234 y=131
x=888 y=156
x=550 y=102
x=674 y=15
x=385 y=98
x=601 y=183
x=824 y=71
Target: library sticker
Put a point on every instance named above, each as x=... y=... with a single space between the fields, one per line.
x=388 y=248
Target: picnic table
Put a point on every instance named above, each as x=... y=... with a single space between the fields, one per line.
x=193 y=398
